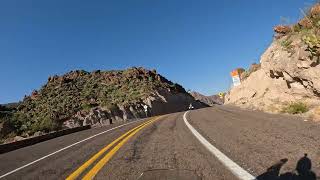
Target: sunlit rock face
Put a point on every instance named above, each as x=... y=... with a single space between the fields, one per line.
x=290 y=70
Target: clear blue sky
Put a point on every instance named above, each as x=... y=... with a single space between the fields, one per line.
x=192 y=42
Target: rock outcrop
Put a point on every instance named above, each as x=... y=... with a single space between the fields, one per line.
x=289 y=72
x=159 y=102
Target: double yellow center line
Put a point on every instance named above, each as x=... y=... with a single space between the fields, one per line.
x=122 y=140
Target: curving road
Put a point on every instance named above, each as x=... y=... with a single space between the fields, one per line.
x=253 y=140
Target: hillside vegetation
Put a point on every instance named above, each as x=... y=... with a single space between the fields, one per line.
x=63 y=96
x=307 y=30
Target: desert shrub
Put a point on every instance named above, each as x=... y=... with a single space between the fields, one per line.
x=286 y=44
x=296 y=108
x=313 y=43
x=112 y=107
x=296 y=28
x=253 y=68
x=18 y=121
x=87 y=106
x=245 y=74
x=44 y=124
x=4 y=114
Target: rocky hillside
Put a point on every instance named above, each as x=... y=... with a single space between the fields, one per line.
x=97 y=98
x=289 y=77
x=209 y=100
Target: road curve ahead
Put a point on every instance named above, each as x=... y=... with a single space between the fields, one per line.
x=252 y=140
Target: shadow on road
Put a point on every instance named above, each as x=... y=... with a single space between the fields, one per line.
x=302 y=172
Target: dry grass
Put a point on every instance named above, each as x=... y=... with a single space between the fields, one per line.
x=296 y=108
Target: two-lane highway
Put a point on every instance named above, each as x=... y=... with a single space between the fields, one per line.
x=166 y=144
x=250 y=139
x=118 y=143
x=58 y=157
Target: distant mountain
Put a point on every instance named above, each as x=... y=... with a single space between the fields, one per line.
x=209 y=100
x=101 y=97
x=7 y=109
x=9 y=106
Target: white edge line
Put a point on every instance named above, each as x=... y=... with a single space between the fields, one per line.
x=231 y=165
x=67 y=147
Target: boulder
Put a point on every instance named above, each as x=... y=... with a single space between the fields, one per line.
x=38 y=133
x=18 y=138
x=315 y=10
x=305 y=23
x=282 y=29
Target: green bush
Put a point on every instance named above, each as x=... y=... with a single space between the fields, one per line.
x=87 y=106
x=296 y=28
x=313 y=42
x=296 y=108
x=287 y=45
x=45 y=125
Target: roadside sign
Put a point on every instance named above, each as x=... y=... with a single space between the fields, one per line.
x=221 y=94
x=145 y=108
x=235 y=77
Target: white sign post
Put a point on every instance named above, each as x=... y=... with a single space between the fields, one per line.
x=145 y=109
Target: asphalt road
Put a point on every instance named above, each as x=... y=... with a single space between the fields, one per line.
x=251 y=139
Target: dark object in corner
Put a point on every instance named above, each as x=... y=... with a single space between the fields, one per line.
x=303 y=171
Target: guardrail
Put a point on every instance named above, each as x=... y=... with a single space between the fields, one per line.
x=34 y=140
